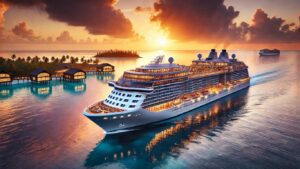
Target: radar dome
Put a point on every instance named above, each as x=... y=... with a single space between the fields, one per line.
x=233 y=56
x=199 y=56
x=171 y=60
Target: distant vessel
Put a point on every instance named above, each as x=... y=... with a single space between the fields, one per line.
x=268 y=52
x=159 y=91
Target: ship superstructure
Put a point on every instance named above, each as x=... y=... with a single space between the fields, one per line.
x=160 y=91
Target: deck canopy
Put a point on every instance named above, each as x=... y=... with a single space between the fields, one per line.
x=5 y=77
x=105 y=67
x=74 y=74
x=40 y=75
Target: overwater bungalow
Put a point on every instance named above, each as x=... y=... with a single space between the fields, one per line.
x=40 y=76
x=5 y=78
x=74 y=75
x=105 y=67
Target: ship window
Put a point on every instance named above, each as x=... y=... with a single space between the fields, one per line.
x=117 y=98
x=134 y=101
x=122 y=105
x=113 y=103
x=129 y=95
x=120 y=99
x=129 y=115
x=110 y=102
x=123 y=94
x=138 y=96
x=131 y=106
x=105 y=118
x=117 y=104
x=114 y=117
x=126 y=100
x=119 y=94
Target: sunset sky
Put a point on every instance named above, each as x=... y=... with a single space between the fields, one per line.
x=149 y=24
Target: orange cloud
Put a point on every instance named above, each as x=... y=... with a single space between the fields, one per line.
x=65 y=37
x=272 y=29
x=24 y=32
x=3 y=9
x=99 y=17
x=210 y=21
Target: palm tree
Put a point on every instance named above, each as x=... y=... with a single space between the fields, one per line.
x=63 y=59
x=82 y=59
x=2 y=60
x=72 y=59
x=56 y=60
x=45 y=58
x=28 y=59
x=52 y=58
x=96 y=61
x=13 y=57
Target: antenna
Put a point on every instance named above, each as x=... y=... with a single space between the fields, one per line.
x=158 y=59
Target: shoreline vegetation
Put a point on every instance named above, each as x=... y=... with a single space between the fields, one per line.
x=118 y=53
x=22 y=67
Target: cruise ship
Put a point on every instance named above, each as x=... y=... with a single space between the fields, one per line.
x=159 y=91
x=268 y=52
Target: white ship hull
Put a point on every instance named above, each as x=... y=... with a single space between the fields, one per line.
x=125 y=121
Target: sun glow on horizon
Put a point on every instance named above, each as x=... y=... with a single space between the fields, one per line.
x=162 y=41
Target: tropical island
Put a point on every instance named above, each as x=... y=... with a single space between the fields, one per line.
x=118 y=53
x=22 y=67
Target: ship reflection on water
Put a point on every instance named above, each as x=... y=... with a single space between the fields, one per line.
x=269 y=59
x=154 y=144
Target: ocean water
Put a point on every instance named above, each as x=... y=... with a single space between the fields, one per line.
x=42 y=126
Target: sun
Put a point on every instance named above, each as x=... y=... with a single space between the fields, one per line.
x=162 y=41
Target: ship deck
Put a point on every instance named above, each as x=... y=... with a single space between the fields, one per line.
x=101 y=108
x=194 y=96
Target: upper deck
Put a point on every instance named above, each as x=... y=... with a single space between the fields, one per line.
x=158 y=73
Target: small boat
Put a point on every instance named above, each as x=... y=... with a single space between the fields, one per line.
x=268 y=52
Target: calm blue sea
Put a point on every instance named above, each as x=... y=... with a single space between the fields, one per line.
x=42 y=126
